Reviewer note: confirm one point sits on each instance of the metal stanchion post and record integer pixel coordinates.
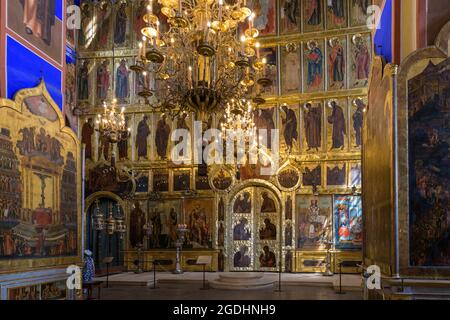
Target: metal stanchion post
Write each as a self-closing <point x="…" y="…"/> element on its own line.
<point x="340" y="279"/>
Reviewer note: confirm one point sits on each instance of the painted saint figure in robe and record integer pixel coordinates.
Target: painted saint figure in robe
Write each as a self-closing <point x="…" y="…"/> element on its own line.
<point x="39" y="18"/>
<point x="162" y="137"/>
<point x="137" y="221"/>
<point x="86" y="138"/>
<point x="83" y="81"/>
<point x="314" y="58"/>
<point x="268" y="231"/>
<point x="268" y="205"/>
<point x="361" y="63"/>
<point x="291" y="67"/>
<point x="288" y="235"/>
<point x="337" y="119"/>
<point x="288" y="208"/>
<point x="337" y="13"/>
<point x="359" y="11"/>
<point x="267" y="259"/>
<point x="264" y="121"/>
<point x="290" y="20"/>
<point x="103" y="18"/>
<point x="358" y="118"/>
<point x="290" y="131"/>
<point x="103" y="80"/>
<point x="122" y="76"/>
<point x="313" y="12"/>
<point x="143" y="131"/>
<point x="241" y="230"/>
<point x="336" y="65"/>
<point x="265" y="11"/>
<point x="182" y="125"/>
<point x="243" y="204"/>
<point x="313" y="126"/>
<point x="122" y="145"/>
<point x="121" y="24"/>
<point x="241" y="259"/>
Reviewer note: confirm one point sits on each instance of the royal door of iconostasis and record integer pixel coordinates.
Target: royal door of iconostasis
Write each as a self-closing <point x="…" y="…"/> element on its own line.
<point x="254" y="230"/>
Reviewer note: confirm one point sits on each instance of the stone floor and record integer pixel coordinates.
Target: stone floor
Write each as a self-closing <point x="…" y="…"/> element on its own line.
<point x="130" y="286"/>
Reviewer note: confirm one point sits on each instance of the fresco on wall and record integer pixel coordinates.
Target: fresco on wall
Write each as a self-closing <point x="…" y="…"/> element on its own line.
<point x="198" y="215"/>
<point x="164" y="216"/>
<point x="429" y="184"/>
<point x="40" y="24"/>
<point x="313" y="222"/>
<point x="38" y="179"/>
<point x="290" y="69"/>
<point x="290" y="17"/>
<point x="348" y="224"/>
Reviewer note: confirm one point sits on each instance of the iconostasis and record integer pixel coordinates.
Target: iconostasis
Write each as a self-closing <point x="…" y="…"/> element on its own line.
<point x="319" y="53"/>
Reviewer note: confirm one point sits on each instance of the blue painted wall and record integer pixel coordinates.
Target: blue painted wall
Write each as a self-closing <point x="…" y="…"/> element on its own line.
<point x="24" y="70"/>
<point x="383" y="36"/>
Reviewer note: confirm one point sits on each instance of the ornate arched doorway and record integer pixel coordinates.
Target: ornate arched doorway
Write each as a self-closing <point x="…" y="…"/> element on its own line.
<point x="255" y="229"/>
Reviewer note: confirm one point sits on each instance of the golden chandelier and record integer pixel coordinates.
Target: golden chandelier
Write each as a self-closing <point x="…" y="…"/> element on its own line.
<point x="198" y="55"/>
<point x="111" y="124"/>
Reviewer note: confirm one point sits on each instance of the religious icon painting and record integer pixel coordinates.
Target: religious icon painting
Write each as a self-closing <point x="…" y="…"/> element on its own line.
<point x="265" y="17"/>
<point x="70" y="101"/>
<point x="360" y="60"/>
<point x="355" y="179"/>
<point x="268" y="202"/>
<point x="288" y="178"/>
<point x="39" y="23"/>
<point x="336" y="125"/>
<point x="122" y="81"/>
<point x="336" y="14"/>
<point x="313" y="19"/>
<point x="104" y="18"/>
<point x="181" y="153"/>
<point x="243" y="202"/>
<point x="164" y="217"/>
<point x="142" y="181"/>
<point x="70" y="32"/>
<point x="265" y="121"/>
<point x="270" y="71"/>
<point x="348" y="222"/>
<point x="357" y="110"/>
<point x="336" y="174"/>
<point x="313" y="66"/>
<point x="337" y="63"/>
<point x="359" y="12"/>
<point x="288" y="233"/>
<point x="313" y="225"/>
<point x="312" y="176"/>
<point x="290" y="69"/>
<point x="201" y="181"/>
<point x="142" y="137"/>
<point x="87" y="135"/>
<point x="289" y="124"/>
<point x="86" y="35"/>
<point x="84" y="80"/>
<point x="312" y="126"/>
<point x="288" y="208"/>
<point x="242" y="228"/>
<point x="122" y="18"/>
<point x="222" y="180"/>
<point x="198" y="215"/>
<point x="123" y="146"/>
<point x="242" y="256"/>
<point x="103" y="80"/>
<point x="181" y="180"/>
<point x="162" y="136"/>
<point x="267" y="257"/>
<point x="290" y="16"/>
<point x="161" y="181"/>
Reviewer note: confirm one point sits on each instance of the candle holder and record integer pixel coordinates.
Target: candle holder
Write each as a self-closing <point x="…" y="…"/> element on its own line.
<point x="181" y="232"/>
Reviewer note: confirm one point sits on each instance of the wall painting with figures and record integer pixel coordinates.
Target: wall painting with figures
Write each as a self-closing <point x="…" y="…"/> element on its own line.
<point x="39" y="174"/>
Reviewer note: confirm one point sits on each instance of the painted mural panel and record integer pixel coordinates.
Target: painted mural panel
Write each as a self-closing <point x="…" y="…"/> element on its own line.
<point x="290" y="16"/>
<point x="39" y="177"/>
<point x="164" y="217"/>
<point x="313" y="222"/>
<point x="198" y="215"/>
<point x="348" y="224"/>
<point x="40" y="23"/>
<point x="290" y="69"/>
<point x="429" y="184"/>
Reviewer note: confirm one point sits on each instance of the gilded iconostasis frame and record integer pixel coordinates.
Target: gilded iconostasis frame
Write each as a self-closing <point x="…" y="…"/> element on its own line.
<point x="44" y="147"/>
<point x="347" y="40"/>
